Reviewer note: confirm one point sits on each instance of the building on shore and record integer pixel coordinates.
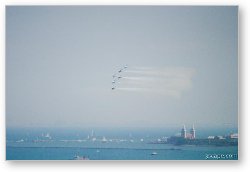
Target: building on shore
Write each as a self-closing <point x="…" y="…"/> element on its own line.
<point x="190" y="139"/>
<point x="183" y="132"/>
<point x="192" y="132"/>
<point x="186" y="135"/>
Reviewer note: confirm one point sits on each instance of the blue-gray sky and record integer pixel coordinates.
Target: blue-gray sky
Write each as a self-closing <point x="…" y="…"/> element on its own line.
<point x="60" y="62"/>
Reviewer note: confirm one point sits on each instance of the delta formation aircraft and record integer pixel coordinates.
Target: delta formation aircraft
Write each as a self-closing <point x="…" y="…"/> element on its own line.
<point x="118" y="77"/>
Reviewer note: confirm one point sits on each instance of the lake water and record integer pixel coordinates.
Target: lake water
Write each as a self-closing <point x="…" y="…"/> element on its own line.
<point x="99" y="144"/>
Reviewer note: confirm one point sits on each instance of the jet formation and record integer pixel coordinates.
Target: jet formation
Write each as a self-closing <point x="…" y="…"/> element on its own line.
<point x="117" y="76"/>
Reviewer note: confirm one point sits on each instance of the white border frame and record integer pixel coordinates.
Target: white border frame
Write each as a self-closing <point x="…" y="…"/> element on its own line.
<point x="243" y="63"/>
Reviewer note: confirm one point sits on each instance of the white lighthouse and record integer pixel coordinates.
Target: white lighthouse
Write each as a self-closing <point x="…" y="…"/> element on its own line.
<point x="192" y="132"/>
<point x="183" y="132"/>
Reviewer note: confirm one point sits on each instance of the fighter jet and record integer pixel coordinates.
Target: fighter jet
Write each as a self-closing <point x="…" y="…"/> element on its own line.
<point x="117" y="76"/>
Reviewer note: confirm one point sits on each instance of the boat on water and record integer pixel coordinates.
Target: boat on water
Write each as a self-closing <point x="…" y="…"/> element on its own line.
<point x="77" y="157"/>
<point x="47" y="135"/>
<point x="104" y="140"/>
<point x="154" y="153"/>
<point x="19" y="141"/>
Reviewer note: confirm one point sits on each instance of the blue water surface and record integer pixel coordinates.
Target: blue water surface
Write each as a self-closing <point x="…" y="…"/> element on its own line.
<point x="49" y="144"/>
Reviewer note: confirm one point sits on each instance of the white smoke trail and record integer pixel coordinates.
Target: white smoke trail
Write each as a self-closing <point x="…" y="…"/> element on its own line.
<point x="161" y="72"/>
<point x="173" y="93"/>
<point x="172" y="81"/>
<point x="133" y="89"/>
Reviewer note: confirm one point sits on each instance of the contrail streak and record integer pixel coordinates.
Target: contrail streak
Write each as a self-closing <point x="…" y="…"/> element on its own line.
<point x="133" y="89"/>
<point x="171" y="81"/>
<point x="162" y="72"/>
<point x="138" y="78"/>
<point x="173" y="93"/>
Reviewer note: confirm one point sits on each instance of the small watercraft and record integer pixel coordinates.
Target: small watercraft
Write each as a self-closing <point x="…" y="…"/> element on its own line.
<point x="154" y="153"/>
<point x="77" y="157"/>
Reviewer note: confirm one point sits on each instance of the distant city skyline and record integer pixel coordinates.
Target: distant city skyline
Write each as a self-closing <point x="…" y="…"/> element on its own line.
<point x="182" y="66"/>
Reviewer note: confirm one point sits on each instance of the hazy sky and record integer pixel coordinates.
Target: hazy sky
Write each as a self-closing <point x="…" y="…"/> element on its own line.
<point x="182" y="66"/>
